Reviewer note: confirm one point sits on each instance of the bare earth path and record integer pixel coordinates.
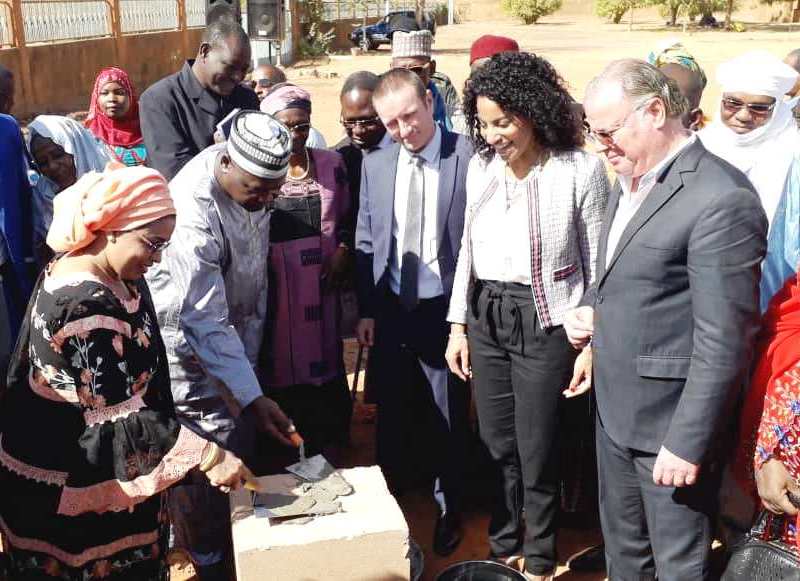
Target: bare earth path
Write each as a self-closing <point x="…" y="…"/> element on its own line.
<point x="577" y="44"/>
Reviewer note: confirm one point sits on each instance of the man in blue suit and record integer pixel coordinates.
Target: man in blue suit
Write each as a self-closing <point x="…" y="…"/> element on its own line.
<point x="413" y="199"/>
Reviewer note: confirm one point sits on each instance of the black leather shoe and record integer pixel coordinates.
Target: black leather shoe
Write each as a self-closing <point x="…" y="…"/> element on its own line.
<point x="447" y="534"/>
<point x="591" y="560"/>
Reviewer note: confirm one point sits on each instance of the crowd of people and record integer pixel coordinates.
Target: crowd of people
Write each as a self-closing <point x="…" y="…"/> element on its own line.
<point x="174" y="273"/>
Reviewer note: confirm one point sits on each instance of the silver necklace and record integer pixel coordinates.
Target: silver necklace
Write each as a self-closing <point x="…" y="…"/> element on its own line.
<point x="511" y="193"/>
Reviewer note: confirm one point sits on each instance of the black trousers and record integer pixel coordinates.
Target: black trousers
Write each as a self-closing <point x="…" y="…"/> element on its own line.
<point x="519" y="371"/>
<point x="653" y="530"/>
<point x="414" y="438"/>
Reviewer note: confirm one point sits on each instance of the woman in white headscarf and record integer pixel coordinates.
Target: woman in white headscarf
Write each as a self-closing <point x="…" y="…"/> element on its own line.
<point x="756" y="132"/>
<point x="63" y="151"/>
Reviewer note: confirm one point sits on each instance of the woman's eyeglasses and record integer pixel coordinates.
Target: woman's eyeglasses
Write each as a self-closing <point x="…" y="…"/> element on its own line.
<point x="757" y="109"/>
<point x="155" y="247"/>
<point x="361" y="123"/>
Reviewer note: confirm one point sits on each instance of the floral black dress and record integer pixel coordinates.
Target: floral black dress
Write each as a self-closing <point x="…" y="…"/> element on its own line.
<point x="88" y="438"/>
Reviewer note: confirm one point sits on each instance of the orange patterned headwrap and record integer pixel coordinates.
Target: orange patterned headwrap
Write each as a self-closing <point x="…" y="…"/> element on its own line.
<point x="116" y="200"/>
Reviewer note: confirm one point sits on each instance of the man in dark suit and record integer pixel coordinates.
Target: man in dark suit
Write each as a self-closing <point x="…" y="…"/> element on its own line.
<point x="671" y="318"/>
<point x="179" y="113"/>
<point x="364" y="129"/>
<point x="409" y="230"/>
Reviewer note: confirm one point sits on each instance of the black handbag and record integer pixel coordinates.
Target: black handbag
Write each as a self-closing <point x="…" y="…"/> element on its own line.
<point x="763" y="556"/>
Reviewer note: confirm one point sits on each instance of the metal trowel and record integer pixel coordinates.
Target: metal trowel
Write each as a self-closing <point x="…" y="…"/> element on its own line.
<point x="312" y="469"/>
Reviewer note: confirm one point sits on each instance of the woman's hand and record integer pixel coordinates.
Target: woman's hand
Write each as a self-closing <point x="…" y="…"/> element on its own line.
<point x="229" y="473"/>
<point x="581" y="375"/>
<point x="774" y="485"/>
<point x="579" y="325"/>
<point x="457" y="353"/>
<point x="337" y="273"/>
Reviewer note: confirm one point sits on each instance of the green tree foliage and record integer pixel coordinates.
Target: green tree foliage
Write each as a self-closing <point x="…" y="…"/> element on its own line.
<point x="316" y="42"/>
<point x="530" y="11"/>
<point x="673" y="9"/>
<point x="614" y="10"/>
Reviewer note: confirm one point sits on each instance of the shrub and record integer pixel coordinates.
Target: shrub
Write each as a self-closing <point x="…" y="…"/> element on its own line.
<point x="530" y="11"/>
<point x="316" y="43"/>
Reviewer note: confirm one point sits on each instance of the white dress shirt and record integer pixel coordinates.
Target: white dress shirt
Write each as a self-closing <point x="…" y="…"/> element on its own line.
<point x="501" y="238"/>
<point x="630" y="201"/>
<point x="429" y="279"/>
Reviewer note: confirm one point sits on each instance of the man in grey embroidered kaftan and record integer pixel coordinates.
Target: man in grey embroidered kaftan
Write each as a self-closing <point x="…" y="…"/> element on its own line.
<point x="210" y="293"/>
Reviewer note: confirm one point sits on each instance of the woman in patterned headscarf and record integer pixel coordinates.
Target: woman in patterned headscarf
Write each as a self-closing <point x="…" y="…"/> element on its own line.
<point x="309" y="258"/>
<point x="88" y="434"/>
<point x="114" y="117"/>
<point x="677" y="63"/>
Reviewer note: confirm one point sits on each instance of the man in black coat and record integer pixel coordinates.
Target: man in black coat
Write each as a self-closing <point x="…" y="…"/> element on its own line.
<point x="364" y="129"/>
<point x="672" y="317"/>
<point x="179" y="113"/>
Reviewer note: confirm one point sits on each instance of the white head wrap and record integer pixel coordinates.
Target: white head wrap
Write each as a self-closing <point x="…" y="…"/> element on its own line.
<point x="757" y="73"/>
<point x="766" y="153"/>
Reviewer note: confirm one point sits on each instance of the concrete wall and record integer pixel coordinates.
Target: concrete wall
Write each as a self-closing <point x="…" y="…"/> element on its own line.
<point x="58" y="78"/>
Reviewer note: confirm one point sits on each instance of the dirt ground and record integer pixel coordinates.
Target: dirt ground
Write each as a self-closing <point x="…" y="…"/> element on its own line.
<point x="420" y="510"/>
<point x="579" y="45"/>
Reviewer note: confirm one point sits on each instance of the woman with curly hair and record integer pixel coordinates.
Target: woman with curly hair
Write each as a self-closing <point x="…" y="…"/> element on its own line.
<point x="535" y="202"/>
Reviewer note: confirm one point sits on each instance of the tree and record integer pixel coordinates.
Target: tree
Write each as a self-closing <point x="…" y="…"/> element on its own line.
<point x="673" y="9"/>
<point x="614" y="10"/>
<point x="420" y="13"/>
<point x="530" y="11"/>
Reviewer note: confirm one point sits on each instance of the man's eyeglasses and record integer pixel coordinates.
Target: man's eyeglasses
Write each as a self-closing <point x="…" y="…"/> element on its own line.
<point x="605" y="138"/>
<point x="419" y="70"/>
<point x="361" y="123"/>
<point x="756" y="109"/>
<point x="155" y="247"/>
<point x="299" y="128"/>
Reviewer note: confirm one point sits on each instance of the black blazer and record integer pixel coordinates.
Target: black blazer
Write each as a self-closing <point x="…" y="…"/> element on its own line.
<point x="677" y="310"/>
<point x="179" y="117"/>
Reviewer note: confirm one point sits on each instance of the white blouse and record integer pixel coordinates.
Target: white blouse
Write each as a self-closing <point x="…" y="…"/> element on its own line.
<point x="501" y="241"/>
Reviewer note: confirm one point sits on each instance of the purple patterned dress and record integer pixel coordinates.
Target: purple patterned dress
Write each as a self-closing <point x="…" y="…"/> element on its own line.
<point x="303" y="363"/>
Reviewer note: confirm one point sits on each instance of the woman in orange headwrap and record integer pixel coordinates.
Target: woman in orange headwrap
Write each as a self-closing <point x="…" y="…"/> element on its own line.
<point x="88" y="434"/>
<point x="114" y="117"/>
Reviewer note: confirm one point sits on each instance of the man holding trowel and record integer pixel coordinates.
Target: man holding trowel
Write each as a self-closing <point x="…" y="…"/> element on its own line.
<point x="210" y="293"/>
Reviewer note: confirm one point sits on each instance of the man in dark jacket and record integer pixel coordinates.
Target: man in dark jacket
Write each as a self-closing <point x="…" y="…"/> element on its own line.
<point x="410" y="223"/>
<point x="179" y="113"/>
<point x="365" y="132"/>
<point x="672" y="317"/>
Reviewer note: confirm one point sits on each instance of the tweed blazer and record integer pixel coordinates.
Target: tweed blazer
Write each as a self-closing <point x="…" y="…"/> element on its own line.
<point x="567" y="198"/>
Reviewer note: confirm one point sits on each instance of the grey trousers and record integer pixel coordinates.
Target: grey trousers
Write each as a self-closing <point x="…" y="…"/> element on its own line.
<point x="652" y="530"/>
<point x="199" y="512"/>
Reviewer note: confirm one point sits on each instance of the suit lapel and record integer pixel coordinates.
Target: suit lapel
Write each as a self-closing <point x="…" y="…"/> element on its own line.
<point x="666" y="187"/>
<point x="387" y="213"/>
<point x="448" y="164"/>
<point x="611" y="210"/>
<point x="209" y="104"/>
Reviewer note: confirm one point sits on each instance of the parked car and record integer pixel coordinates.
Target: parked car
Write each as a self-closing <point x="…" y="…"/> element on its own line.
<point x="381" y="32"/>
